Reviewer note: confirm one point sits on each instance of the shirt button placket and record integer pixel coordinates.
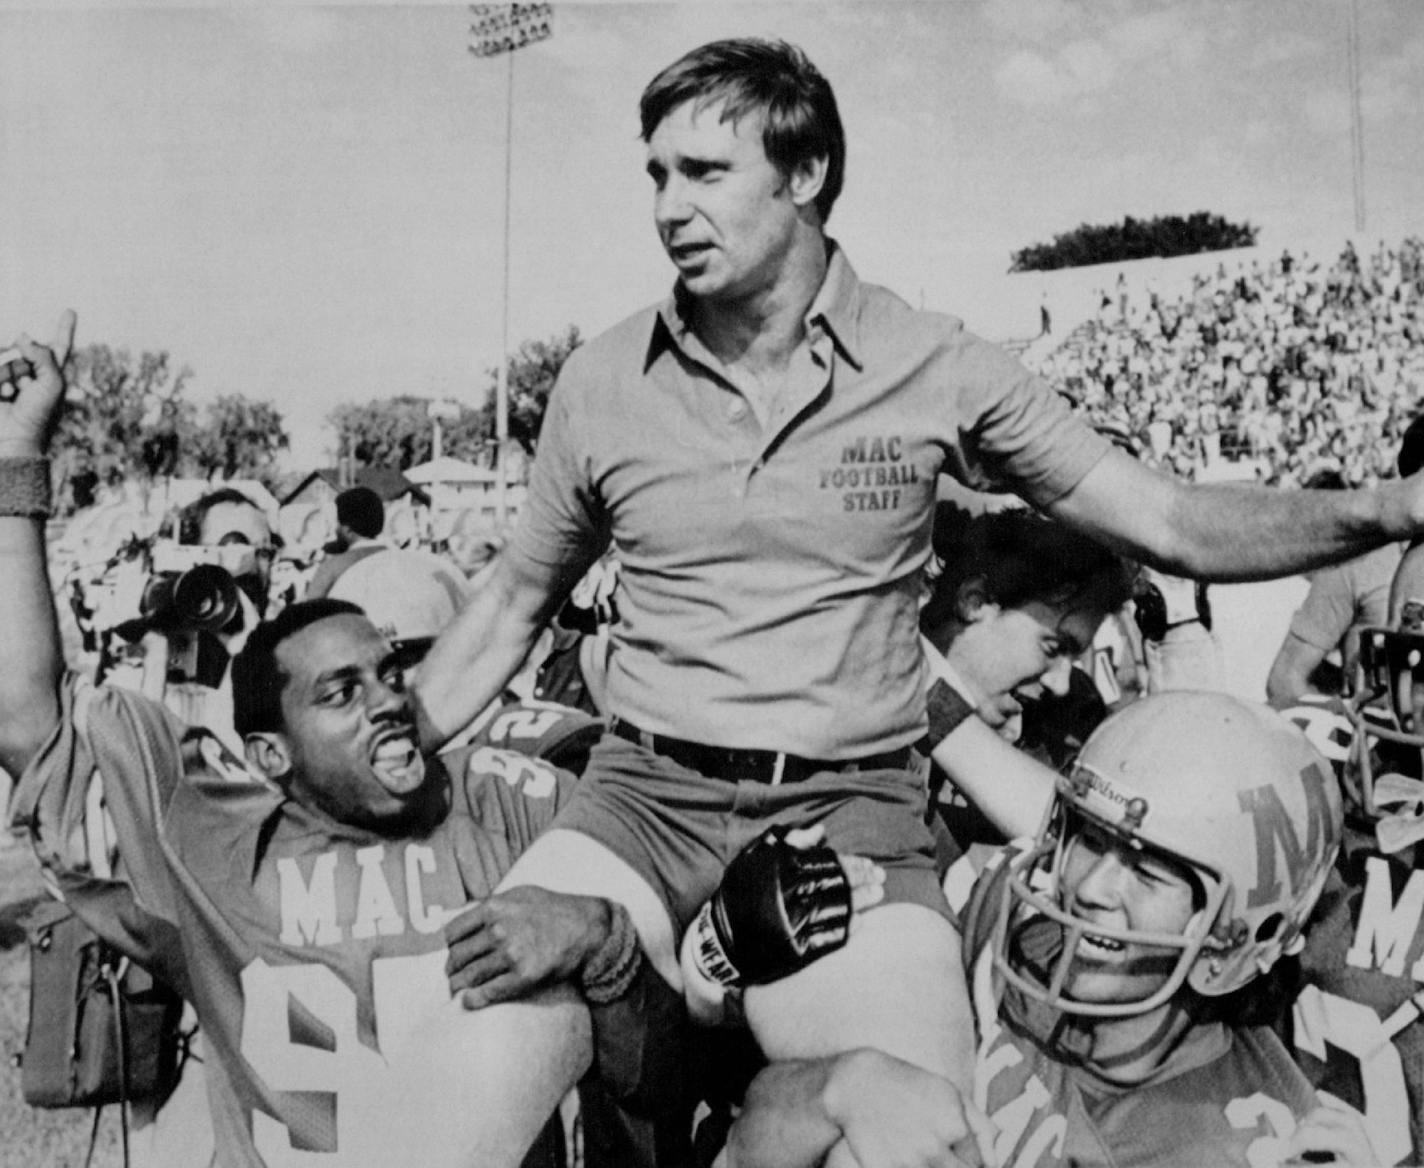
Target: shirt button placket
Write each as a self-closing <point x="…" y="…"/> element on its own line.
<point x="736" y="411"/>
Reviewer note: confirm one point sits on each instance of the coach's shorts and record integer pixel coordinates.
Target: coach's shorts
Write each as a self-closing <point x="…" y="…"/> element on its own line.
<point x="679" y="829"/>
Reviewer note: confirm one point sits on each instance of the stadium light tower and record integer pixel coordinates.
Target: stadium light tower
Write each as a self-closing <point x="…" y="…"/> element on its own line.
<point x="502" y="30"/>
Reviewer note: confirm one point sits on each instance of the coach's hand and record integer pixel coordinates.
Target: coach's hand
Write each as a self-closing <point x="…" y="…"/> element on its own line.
<point x="31" y="390"/>
<point x="514" y="942"/>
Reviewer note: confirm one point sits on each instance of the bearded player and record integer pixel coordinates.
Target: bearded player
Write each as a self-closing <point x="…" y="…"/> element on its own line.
<point x="1356" y="1023"/>
<point x="1107" y="962"/>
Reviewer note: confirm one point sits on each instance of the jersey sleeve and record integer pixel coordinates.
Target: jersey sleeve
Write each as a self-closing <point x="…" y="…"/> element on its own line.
<point x="92" y="801"/>
<point x="511" y="795"/>
<point x="559" y="735"/>
<point x="974" y="885"/>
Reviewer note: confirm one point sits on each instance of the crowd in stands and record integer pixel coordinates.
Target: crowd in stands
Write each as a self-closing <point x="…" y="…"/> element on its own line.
<point x="1296" y="365"/>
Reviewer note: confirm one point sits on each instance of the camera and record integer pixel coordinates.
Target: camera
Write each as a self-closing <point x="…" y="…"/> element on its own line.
<point x="192" y="589"/>
<point x="188" y="594"/>
<point x="168" y="588"/>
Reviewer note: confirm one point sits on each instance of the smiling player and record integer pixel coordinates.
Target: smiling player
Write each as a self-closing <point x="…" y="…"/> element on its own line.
<point x="1180" y="860"/>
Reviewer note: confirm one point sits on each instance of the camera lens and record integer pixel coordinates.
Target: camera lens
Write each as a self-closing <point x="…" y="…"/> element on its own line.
<point x="204" y="599"/>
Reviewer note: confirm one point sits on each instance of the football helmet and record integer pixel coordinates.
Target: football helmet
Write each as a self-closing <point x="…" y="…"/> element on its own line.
<point x="1389" y="694"/>
<point x="1226" y="789"/>
<point x="408" y="595"/>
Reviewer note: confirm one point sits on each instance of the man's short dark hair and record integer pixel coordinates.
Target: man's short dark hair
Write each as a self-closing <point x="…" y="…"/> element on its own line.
<point x="800" y="120"/>
<point x="361" y="509"/>
<point x="258" y="678"/>
<point x="190" y="519"/>
<point x="1023" y="556"/>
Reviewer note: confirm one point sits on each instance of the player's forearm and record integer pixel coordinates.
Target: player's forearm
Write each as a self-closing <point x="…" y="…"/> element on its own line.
<point x="1290" y="671"/>
<point x="1008" y="786"/>
<point x="786" y="1119"/>
<point x="474" y="658"/>
<point x="29" y="643"/>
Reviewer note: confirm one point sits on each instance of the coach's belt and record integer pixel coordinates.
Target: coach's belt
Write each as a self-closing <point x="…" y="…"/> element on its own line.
<point x="757" y="766"/>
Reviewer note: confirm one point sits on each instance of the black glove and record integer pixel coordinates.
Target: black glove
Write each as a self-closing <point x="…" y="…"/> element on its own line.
<point x="777" y="910"/>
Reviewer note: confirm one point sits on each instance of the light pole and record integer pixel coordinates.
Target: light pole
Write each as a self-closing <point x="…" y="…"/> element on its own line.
<point x="1357" y="128"/>
<point x="495" y="30"/>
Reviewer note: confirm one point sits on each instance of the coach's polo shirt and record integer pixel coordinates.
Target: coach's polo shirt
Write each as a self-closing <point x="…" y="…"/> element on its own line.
<point x="770" y="577"/>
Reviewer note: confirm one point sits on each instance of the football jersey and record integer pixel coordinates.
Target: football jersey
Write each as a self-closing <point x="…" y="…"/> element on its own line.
<point x="312" y="951"/>
<point x="1224" y="1096"/>
<point x="1356" y="1024"/>
<point x="558" y="734"/>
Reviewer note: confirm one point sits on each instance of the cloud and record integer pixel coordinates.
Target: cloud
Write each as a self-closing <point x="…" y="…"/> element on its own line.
<point x="1389" y="86"/>
<point x="1327" y="111"/>
<point x="1283" y="49"/>
<point x="1034" y="80"/>
<point x="1165" y="34"/>
<point x="1111" y="38"/>
<point x="1031" y="80"/>
<point x="1032" y="20"/>
<point x="303" y="30"/>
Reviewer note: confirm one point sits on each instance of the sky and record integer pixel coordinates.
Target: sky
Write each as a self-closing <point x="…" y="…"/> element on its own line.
<point x="306" y="204"/>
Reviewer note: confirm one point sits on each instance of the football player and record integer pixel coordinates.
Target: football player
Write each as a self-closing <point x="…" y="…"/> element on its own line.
<point x="1356" y="1023"/>
<point x="1180" y="860"/>
<point x="297" y="899"/>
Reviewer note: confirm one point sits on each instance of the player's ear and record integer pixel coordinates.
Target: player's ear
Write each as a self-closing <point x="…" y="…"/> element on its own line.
<point x="972" y="601"/>
<point x="269" y="754"/>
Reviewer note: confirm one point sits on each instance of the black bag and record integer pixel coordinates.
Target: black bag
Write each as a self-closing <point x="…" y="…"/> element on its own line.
<point x="101" y="1029"/>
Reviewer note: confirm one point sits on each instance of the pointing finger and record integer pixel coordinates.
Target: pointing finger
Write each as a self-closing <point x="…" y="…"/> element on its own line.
<point x="64" y="337"/>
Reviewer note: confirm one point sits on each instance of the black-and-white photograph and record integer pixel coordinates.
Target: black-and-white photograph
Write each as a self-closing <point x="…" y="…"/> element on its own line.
<point x="666" y="584"/>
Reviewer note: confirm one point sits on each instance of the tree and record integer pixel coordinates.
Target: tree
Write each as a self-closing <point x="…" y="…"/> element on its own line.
<point x="124" y="419"/>
<point x="397" y="431"/>
<point x="239" y="438"/>
<point x="1134" y="239"/>
<point x="533" y="369"/>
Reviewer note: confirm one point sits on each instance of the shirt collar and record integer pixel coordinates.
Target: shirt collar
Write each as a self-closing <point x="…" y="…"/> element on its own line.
<point x="835" y="309"/>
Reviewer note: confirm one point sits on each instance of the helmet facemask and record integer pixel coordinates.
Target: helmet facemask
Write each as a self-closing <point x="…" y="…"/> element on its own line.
<point x="1389" y="738"/>
<point x="1037" y="935"/>
<point x="1227" y="794"/>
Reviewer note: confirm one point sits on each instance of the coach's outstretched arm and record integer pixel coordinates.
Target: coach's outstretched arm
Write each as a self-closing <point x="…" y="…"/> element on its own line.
<point x="29" y="630"/>
<point x="1225" y="531"/>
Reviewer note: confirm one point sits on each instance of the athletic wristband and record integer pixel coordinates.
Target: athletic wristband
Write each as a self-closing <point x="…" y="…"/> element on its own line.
<point x="24" y="488"/>
<point x="947" y="709"/>
<point x="948" y="701"/>
<point x="610" y="971"/>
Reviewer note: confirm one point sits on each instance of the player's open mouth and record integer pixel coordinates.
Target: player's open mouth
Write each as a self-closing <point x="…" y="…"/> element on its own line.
<point x="1091" y="945"/>
<point x="397" y="760"/>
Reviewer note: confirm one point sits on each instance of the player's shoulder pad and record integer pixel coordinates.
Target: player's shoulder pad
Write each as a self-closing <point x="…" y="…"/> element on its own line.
<point x="485" y="768"/>
<point x="970" y="882"/>
<point x="1328" y="723"/>
<point x="555" y="733"/>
